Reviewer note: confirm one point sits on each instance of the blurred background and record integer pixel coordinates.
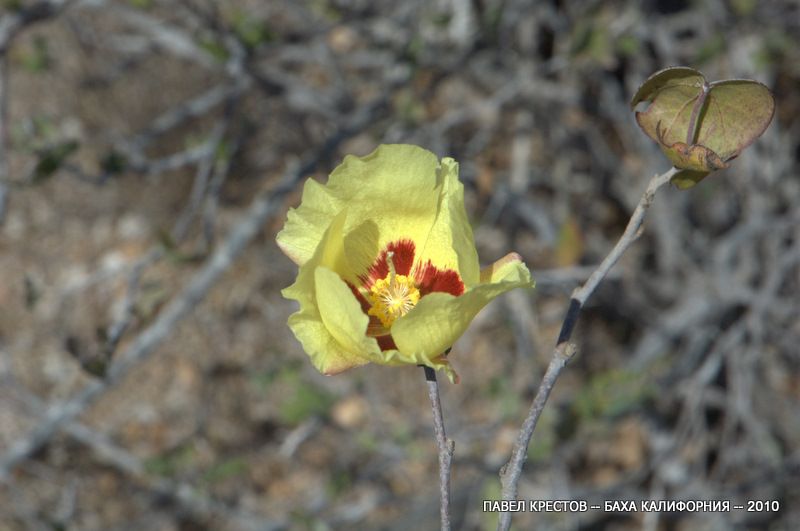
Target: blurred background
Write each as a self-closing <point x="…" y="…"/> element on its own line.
<point x="139" y="135"/>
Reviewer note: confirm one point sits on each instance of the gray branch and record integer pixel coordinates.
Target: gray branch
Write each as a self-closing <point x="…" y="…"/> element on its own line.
<point x="59" y="415"/>
<point x="564" y="350"/>
<point x="264" y="206"/>
<point x="445" y="446"/>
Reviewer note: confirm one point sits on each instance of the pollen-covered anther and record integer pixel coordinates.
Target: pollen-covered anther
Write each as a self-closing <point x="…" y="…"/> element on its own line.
<point x="393" y="296"/>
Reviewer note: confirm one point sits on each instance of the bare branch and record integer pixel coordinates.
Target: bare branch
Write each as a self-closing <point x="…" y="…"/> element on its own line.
<point x="12" y="23"/>
<point x="3" y="134"/>
<point x="446" y="447"/>
<point x="143" y="345"/>
<point x="180" y="114"/>
<point x="184" y="495"/>
<point x="511" y="472"/>
<point x="167" y="36"/>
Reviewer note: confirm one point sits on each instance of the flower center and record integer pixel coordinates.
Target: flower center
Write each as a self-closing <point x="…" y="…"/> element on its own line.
<point x="393" y="296"/>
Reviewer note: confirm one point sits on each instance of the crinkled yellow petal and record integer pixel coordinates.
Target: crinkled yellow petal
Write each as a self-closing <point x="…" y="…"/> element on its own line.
<point x="396" y="192"/>
<point x="329" y="253"/>
<point x="503" y="269"/>
<point x="342" y="315"/>
<point x="306" y="224"/>
<point x="440" y="318"/>
<point x="330" y="324"/>
<point x="394" y="358"/>
<point x="326" y="354"/>
<point x="450" y="237"/>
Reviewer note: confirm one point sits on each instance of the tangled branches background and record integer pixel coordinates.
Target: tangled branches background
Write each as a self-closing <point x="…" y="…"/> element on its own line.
<point x="148" y="152"/>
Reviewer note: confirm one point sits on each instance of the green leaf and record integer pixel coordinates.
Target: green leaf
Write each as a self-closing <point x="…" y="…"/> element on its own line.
<point x="701" y="126"/>
<point x="739" y="111"/>
<point x="677" y="84"/>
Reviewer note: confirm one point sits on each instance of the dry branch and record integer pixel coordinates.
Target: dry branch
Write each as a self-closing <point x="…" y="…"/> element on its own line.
<point x="267" y="204"/>
<point x="445" y="446"/>
<point x="564" y="350"/>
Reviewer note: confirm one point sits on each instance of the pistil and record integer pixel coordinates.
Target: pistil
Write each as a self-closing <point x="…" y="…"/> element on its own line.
<point x="393" y="296"/>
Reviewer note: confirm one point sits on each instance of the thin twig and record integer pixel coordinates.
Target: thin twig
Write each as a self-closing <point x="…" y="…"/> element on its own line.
<point x="3" y="133"/>
<point x="116" y="330"/>
<point x="10" y="25"/>
<point x="168" y="37"/>
<point x="200" y="185"/>
<point x="511" y="472"/>
<point x="446" y="447"/>
<point x="189" y="498"/>
<point x="220" y="173"/>
<point x="59" y="415"/>
<point x="265" y="205"/>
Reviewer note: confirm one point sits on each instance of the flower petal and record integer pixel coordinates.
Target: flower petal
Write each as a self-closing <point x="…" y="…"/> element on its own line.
<point x="329" y="253"/>
<point x="439" y="319"/>
<point x="398" y="192"/>
<point x="326" y="354"/>
<point x="504" y="269"/>
<point x="330" y="324"/>
<point x="399" y="199"/>
<point x="342" y="315"/>
<point x="306" y="224"/>
<point x="394" y="358"/>
<point x="450" y="243"/>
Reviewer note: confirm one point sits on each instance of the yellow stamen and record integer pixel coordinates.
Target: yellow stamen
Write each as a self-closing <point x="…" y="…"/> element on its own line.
<point x="393" y="296"/>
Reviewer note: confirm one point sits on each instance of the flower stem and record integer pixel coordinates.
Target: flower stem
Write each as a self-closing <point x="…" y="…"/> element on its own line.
<point x="446" y="447"/>
<point x="564" y="350"/>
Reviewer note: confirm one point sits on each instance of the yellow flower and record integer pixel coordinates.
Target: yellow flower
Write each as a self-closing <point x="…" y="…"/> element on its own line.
<point x="388" y="268"/>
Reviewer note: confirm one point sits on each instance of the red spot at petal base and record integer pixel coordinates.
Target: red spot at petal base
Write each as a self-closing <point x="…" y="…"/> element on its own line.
<point x="429" y="279"/>
<point x="403" y="259"/>
<point x="375" y="328"/>
<point x="386" y="342"/>
<point x="365" y="305"/>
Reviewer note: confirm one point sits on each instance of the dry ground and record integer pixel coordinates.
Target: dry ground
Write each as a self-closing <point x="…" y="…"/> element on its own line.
<point x="137" y="135"/>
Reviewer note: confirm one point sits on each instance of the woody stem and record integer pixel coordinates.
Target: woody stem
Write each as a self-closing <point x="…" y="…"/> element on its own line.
<point x="446" y="447"/>
<point x="564" y="350"/>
